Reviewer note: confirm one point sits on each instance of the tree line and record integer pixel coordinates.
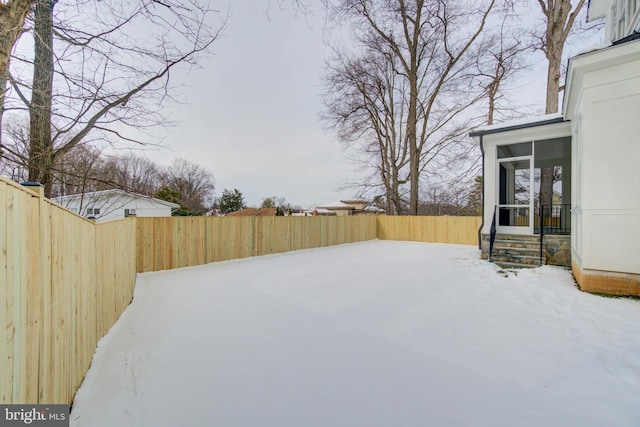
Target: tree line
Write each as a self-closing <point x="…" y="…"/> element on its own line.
<point x="85" y="169"/>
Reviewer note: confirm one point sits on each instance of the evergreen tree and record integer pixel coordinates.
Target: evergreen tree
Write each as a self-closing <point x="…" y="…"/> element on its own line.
<point x="231" y="201"/>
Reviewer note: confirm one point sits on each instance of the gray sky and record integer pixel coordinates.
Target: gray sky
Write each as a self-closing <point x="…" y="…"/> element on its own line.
<point x="251" y="109"/>
<point x="251" y="113"/>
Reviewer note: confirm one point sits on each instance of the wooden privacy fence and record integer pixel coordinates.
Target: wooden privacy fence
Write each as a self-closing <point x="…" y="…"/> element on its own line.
<point x="461" y="230"/>
<point x="65" y="280"/>
<point x="166" y="243"/>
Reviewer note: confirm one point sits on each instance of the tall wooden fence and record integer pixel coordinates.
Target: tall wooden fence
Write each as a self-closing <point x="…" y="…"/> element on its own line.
<point x="166" y="243"/>
<point x="462" y="230"/>
<point x="64" y="280"/>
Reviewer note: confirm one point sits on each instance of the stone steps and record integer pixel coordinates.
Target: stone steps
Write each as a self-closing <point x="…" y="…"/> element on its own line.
<point x="515" y="251"/>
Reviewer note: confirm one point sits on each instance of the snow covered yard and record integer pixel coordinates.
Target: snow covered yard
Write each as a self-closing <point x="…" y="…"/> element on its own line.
<point x="378" y="333"/>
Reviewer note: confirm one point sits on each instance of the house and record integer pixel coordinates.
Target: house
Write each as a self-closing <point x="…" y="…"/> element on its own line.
<point x="339" y="208"/>
<point x="115" y="204"/>
<point x="593" y="224"/>
<point x="350" y="207"/>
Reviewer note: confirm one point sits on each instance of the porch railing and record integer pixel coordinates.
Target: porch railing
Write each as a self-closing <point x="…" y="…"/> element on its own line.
<point x="492" y="233"/>
<point x="553" y="219"/>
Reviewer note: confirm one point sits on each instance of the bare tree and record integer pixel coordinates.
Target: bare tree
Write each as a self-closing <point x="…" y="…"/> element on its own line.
<point x="430" y="47"/>
<point x="560" y="17"/>
<point x="133" y="174"/>
<point x="79" y="171"/>
<point x="504" y="59"/>
<point x="365" y="105"/>
<point x="101" y="69"/>
<point x="12" y="17"/>
<point x="193" y="184"/>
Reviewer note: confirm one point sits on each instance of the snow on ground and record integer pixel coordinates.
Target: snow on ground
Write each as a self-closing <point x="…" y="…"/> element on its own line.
<point x="378" y="333"/>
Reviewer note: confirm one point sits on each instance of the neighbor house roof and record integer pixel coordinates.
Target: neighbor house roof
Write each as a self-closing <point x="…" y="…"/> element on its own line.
<point x="336" y="206"/>
<point x="254" y="212"/>
<point x="104" y="194"/>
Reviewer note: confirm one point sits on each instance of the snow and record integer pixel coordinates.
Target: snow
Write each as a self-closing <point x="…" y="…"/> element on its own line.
<point x="593" y="48"/>
<point x="526" y="121"/>
<point x="378" y="333"/>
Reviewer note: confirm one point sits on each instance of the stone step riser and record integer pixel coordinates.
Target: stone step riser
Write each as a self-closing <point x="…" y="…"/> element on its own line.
<point x="518" y="238"/>
<point x="524" y="245"/>
<point x="514" y="265"/>
<point x="516" y="259"/>
<point x="516" y="251"/>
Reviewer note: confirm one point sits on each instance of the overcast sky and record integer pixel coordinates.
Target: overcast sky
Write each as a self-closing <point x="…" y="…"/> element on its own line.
<point x="251" y="112"/>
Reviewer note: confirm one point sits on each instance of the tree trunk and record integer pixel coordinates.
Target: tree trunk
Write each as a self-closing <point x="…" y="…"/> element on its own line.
<point x="12" y="16"/>
<point x="555" y="39"/>
<point x="553" y="95"/>
<point x="412" y="118"/>
<point x="414" y="156"/>
<point x="3" y="90"/>
<point x="554" y="56"/>
<point x="41" y="156"/>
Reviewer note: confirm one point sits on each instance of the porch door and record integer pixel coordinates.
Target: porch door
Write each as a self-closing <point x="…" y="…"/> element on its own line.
<point x="515" y="195"/>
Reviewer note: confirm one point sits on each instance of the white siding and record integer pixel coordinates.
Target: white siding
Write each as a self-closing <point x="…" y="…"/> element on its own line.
<point x="607" y="155"/>
<point x="112" y="205"/>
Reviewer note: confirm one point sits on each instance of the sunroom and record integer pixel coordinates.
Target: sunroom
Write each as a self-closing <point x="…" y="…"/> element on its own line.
<point x="527" y="188"/>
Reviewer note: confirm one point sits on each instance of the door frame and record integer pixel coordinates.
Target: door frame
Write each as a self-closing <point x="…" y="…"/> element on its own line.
<point x="520" y="229"/>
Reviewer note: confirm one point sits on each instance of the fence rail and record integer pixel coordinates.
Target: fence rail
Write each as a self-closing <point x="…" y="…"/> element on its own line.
<point x="64" y="280"/>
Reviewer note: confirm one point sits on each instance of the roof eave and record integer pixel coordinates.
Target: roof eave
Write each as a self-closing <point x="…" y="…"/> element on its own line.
<point x="520" y="126"/>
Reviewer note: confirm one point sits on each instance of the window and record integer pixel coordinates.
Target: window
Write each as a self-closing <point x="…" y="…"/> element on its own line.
<point x="93" y="211"/>
<point x="129" y="212"/>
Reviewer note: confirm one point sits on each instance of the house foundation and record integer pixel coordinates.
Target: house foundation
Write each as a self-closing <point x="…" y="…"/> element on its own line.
<point x="607" y="282"/>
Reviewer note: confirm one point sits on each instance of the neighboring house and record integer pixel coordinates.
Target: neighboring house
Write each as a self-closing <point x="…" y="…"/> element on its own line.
<point x="115" y="204"/>
<point x="339" y="208"/>
<point x="595" y="140"/>
<point x="350" y="207"/>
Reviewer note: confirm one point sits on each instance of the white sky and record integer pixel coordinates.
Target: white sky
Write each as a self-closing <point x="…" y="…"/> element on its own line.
<point x="251" y="112"/>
